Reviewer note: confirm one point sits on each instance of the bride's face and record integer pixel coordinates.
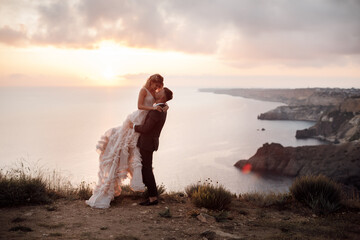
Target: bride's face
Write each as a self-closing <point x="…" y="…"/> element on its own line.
<point x="156" y="86"/>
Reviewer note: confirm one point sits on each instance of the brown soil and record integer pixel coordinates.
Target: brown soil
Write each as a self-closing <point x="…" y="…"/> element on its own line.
<point x="126" y="220"/>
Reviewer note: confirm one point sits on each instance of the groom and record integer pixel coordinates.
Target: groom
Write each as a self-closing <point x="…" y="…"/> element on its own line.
<point x="149" y="142"/>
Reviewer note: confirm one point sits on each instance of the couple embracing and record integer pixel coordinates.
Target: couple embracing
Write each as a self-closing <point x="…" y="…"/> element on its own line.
<point x="127" y="150"/>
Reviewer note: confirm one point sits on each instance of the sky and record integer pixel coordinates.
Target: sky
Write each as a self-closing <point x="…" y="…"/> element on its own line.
<point x="202" y="43"/>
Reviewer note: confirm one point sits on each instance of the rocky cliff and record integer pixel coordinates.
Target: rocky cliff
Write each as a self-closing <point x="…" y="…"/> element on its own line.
<point x="298" y="113"/>
<point x="307" y="104"/>
<point x="341" y="125"/>
<point x="335" y="111"/>
<point x="341" y="162"/>
<point x="311" y="105"/>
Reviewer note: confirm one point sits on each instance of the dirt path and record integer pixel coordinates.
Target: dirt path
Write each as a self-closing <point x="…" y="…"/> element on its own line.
<point x="126" y="220"/>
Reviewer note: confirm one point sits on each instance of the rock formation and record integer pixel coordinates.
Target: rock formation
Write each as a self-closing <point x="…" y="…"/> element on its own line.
<point x="340" y="162"/>
<point x="336" y="111"/>
<point x="311" y="105"/>
<point x="298" y="113"/>
<point x="307" y="104"/>
<point x="341" y="125"/>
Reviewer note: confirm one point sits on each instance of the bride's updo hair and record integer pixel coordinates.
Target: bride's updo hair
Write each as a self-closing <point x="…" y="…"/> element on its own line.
<point x="156" y="78"/>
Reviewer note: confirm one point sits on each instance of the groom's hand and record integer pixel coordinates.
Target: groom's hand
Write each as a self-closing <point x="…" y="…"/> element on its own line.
<point x="164" y="109"/>
<point x="131" y="125"/>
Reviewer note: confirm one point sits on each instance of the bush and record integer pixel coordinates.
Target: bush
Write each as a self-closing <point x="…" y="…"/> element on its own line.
<point x="209" y="196"/>
<point x="189" y="190"/>
<point x="23" y="185"/>
<point x="23" y="190"/>
<point x="318" y="192"/>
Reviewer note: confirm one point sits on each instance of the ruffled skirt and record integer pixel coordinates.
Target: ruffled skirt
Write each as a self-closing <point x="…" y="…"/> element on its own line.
<point x="119" y="159"/>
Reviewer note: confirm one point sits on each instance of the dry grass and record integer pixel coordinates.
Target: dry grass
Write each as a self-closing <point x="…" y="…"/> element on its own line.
<point x="210" y="196"/>
<point x="26" y="185"/>
<point x="266" y="199"/>
<point x="318" y="192"/>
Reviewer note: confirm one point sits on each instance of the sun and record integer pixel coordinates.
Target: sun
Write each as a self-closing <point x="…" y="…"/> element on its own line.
<point x="109" y="74"/>
<point x="109" y="77"/>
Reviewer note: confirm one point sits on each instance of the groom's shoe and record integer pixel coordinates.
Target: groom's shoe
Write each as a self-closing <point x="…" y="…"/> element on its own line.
<point x="148" y="203"/>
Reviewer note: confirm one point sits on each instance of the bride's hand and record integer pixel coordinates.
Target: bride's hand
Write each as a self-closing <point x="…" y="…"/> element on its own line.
<point x="158" y="108"/>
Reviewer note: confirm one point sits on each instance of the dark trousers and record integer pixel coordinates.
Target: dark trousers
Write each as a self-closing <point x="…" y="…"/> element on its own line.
<point x="147" y="172"/>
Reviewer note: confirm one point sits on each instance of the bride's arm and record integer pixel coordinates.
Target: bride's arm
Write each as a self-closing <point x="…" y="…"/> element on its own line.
<point x="141" y="99"/>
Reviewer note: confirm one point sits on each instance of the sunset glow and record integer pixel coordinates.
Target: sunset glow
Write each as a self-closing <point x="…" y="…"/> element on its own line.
<point x="242" y="44"/>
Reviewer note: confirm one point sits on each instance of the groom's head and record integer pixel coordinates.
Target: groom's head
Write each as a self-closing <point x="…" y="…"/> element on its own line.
<point x="164" y="95"/>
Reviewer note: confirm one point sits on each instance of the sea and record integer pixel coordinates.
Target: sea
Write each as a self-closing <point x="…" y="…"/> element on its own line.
<point x="205" y="134"/>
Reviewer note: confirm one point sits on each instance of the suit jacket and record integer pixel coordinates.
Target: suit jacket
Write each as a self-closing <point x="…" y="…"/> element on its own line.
<point x="150" y="130"/>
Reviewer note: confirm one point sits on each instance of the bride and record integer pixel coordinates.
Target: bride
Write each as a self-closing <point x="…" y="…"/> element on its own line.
<point x="119" y="156"/>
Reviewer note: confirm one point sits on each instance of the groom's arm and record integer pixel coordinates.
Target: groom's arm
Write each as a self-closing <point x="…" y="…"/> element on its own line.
<point x="149" y="123"/>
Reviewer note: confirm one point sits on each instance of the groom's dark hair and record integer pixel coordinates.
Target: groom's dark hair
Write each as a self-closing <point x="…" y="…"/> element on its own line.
<point x="168" y="94"/>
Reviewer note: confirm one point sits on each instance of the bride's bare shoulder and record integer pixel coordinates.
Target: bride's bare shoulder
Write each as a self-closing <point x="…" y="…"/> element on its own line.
<point x="142" y="95"/>
<point x="143" y="91"/>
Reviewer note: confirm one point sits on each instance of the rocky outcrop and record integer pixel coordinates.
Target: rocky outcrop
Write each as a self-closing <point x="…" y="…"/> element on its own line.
<point x="299" y="113"/>
<point x="340" y="162"/>
<point x="336" y="111"/>
<point x="351" y="105"/>
<point x="342" y="125"/>
<point x="317" y="104"/>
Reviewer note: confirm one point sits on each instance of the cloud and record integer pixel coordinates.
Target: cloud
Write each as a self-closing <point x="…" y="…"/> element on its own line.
<point x="13" y="37"/>
<point x="277" y="31"/>
<point x="61" y="25"/>
<point x="242" y="33"/>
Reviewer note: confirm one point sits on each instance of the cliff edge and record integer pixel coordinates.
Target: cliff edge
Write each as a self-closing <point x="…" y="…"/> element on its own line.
<point x="337" y="126"/>
<point x="335" y="111"/>
<point x="341" y="162"/>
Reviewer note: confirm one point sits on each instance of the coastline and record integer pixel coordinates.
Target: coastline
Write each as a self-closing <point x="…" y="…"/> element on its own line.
<point x="336" y="117"/>
<point x="334" y="111"/>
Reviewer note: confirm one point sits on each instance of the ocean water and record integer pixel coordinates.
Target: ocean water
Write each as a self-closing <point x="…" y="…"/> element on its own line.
<point x="204" y="136"/>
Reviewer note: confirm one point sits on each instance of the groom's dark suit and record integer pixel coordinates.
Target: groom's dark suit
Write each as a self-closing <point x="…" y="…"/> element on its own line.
<point x="148" y="143"/>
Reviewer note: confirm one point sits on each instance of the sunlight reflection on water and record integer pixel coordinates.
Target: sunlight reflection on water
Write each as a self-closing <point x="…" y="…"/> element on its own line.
<point x="204" y="136"/>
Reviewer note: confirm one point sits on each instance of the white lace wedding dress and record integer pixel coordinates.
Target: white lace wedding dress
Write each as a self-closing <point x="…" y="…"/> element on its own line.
<point x="119" y="159"/>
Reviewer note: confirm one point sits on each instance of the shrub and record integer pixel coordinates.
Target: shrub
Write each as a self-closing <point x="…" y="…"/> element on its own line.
<point x="318" y="192"/>
<point x="23" y="185"/>
<point x="22" y="190"/>
<point x="209" y="196"/>
<point x="266" y="199"/>
<point x="189" y="190"/>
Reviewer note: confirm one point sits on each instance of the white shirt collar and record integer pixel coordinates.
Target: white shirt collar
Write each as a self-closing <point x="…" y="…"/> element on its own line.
<point x="158" y="104"/>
